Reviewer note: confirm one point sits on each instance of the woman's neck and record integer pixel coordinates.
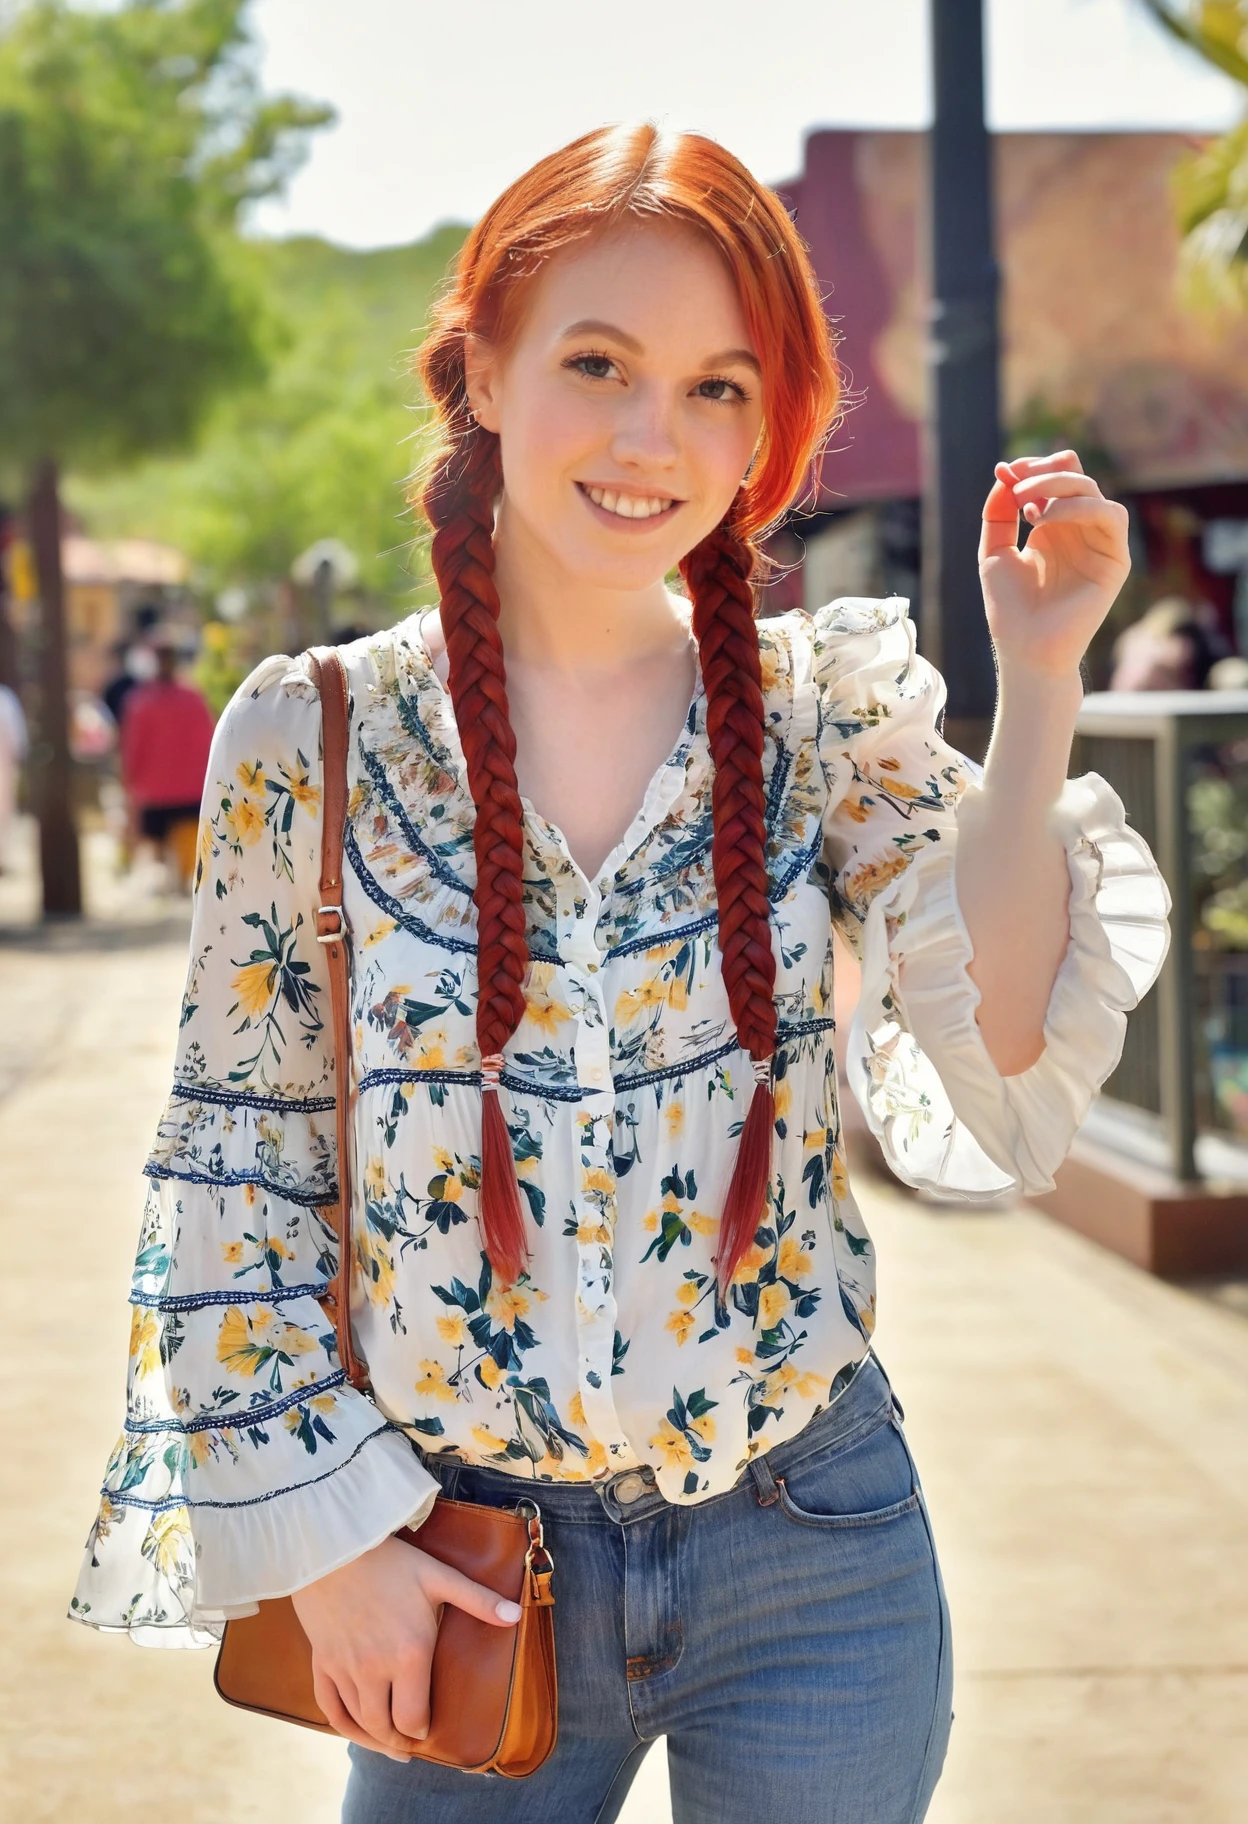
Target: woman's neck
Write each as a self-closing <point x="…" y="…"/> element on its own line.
<point x="555" y="622"/>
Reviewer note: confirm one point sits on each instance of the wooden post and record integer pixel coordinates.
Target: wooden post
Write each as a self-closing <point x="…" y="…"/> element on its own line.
<point x="51" y="766"/>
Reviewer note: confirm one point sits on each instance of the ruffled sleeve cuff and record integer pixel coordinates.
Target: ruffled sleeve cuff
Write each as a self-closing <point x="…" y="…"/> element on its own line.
<point x="948" y="1122"/>
<point x="171" y="1574"/>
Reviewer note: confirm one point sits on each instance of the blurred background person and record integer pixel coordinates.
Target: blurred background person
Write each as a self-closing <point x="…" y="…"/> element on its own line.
<point x="1168" y="648"/>
<point x="13" y="743"/>
<point x="166" y="732"/>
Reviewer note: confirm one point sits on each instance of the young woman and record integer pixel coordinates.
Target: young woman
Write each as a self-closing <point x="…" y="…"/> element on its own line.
<point x="599" y="836"/>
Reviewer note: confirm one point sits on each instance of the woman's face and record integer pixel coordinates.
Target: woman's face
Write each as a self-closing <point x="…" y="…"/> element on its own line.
<point x="627" y="405"/>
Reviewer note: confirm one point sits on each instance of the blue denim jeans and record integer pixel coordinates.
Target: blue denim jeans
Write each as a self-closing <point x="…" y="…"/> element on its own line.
<point x="790" y="1639"/>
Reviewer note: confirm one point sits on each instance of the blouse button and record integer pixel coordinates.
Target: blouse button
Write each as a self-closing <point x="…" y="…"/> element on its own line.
<point x="595" y="1073"/>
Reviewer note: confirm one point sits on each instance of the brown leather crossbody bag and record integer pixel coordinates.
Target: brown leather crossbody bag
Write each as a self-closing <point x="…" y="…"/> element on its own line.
<point x="493" y="1695"/>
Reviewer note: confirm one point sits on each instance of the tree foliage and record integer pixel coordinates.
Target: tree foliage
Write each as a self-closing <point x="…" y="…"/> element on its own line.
<point x="319" y="449"/>
<point x="1212" y="186"/>
<point x="130" y="140"/>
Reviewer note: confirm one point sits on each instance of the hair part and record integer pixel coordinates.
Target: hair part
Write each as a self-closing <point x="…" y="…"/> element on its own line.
<point x="607" y="179"/>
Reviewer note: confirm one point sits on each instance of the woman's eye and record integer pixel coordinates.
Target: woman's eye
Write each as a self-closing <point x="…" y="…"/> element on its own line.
<point x="722" y="391"/>
<point x="594" y="367"/>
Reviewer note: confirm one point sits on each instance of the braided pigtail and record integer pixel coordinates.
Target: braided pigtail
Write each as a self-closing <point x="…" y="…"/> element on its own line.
<point x="459" y="504"/>
<point x="718" y="575"/>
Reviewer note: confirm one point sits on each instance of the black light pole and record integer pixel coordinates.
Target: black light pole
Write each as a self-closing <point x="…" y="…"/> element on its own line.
<point x="963" y="419"/>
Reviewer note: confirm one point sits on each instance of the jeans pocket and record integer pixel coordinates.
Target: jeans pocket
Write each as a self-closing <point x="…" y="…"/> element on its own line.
<point x="866" y="1482"/>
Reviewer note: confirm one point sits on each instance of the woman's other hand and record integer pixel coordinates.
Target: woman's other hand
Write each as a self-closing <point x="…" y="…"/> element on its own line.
<point x="1045" y="601"/>
<point x="372" y="1626"/>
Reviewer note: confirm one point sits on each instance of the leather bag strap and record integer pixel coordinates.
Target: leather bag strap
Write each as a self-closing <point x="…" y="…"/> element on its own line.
<point x="330" y="677"/>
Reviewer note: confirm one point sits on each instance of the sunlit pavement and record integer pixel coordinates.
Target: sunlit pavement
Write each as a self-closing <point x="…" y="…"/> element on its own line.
<point x="1082" y="1431"/>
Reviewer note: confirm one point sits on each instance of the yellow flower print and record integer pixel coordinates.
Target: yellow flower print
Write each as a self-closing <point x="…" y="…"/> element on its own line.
<point x="792" y="1263"/>
<point x="168" y="1539"/>
<point x="650" y="1223"/>
<point x="505" y="1304"/>
<point x="704" y="1427"/>
<point x="375" y="1178"/>
<point x="856" y="809"/>
<point x="250" y="775"/>
<point x="576" y="1411"/>
<point x="199" y="1445"/>
<point x="144" y="1341"/>
<point x="771" y="1305"/>
<point x="489" y="1372"/>
<point x="840" y="1175"/>
<point x="246" y="819"/>
<point x="596" y="1462"/>
<point x="432" y="1384"/>
<point x="452" y="1189"/>
<point x="254" y="985"/>
<point x="380" y="932"/>
<point x="249" y="1196"/>
<point x="232" y="1252"/>
<point x="865" y="882"/>
<point x="688" y="1292"/>
<point x="236" y="1347"/>
<point x="485" y="1440"/>
<point x="308" y="797"/>
<point x="442" y="1159"/>
<point x="680" y="1323"/>
<point x="678" y="994"/>
<point x="675" y="1119"/>
<point x="783" y="1097"/>
<point x="295" y="1341"/>
<point x="453" y="1330"/>
<point x="702" y="1225"/>
<point x="674" y="1446"/>
<point x="750" y="1265"/>
<point x="376" y="1264"/>
<point x="597" y="1178"/>
<point x="745" y="1357"/>
<point x="432" y="1054"/>
<point x="650" y="993"/>
<point x="769" y="662"/>
<point x="589" y="1232"/>
<point x="547" y="1012"/>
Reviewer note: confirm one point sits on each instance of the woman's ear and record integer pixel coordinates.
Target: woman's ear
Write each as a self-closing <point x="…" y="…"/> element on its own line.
<point x="481" y="373"/>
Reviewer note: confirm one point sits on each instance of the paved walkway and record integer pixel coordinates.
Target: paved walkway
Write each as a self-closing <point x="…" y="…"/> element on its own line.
<point x="1083" y="1433"/>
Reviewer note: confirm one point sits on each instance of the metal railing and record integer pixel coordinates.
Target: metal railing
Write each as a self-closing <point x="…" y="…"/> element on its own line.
<point x="1171" y="756"/>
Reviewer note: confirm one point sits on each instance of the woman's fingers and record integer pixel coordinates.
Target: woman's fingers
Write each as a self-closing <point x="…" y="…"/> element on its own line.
<point x="1000" y="528"/>
<point x="442" y="1584"/>
<point x="1081" y="510"/>
<point x="1024" y="466"/>
<point x="342" y="1720"/>
<point x="1054" y="484"/>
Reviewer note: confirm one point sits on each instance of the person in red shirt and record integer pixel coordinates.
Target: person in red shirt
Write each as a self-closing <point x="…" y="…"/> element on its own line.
<point x="166" y="733"/>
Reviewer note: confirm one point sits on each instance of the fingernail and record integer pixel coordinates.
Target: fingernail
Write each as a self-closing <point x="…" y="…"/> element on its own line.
<point x="418" y="1735"/>
<point x="508" y="1611"/>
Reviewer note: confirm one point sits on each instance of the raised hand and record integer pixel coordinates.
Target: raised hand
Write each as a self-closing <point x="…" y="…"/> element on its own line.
<point x="1045" y="602"/>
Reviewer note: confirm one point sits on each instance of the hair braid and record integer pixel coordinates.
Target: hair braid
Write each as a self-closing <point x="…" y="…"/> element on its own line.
<point x="718" y="573"/>
<point x="459" y="502"/>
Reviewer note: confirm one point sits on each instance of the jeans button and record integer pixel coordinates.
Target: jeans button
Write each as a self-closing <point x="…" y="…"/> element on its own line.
<point x="630" y="1487"/>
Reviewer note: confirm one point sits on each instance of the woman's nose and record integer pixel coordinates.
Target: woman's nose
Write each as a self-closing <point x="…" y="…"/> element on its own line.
<point x="645" y="431"/>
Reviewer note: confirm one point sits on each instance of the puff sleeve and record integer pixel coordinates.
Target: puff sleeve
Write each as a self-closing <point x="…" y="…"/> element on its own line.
<point x="246" y="1467"/>
<point x="949" y="1123"/>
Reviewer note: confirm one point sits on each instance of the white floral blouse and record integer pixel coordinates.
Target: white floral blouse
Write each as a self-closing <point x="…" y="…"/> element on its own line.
<point x="247" y="1467"/>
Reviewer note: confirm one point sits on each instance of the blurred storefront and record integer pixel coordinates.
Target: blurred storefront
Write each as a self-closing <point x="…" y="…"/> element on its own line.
<point x="106" y="584"/>
<point x="1104" y="348"/>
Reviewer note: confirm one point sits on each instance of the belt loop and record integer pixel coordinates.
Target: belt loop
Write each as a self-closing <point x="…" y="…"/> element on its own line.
<point x="765" y="1487"/>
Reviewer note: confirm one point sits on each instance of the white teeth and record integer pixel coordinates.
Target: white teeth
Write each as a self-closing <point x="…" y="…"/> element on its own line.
<point x="627" y="506"/>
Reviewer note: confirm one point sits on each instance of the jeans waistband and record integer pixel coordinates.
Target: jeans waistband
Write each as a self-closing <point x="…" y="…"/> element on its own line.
<point x="865" y="1401"/>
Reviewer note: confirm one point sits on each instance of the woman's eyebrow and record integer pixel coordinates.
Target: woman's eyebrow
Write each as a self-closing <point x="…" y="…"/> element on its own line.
<point x="594" y="326"/>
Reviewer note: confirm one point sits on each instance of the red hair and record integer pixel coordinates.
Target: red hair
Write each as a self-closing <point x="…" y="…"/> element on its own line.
<point x="615" y="176"/>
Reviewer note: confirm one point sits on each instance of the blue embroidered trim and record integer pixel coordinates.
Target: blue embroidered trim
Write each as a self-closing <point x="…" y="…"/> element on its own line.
<point x="471" y="1079"/>
<point x="802" y="861"/>
<point x="391" y="906"/>
<point x="395" y="806"/>
<point x="193" y="1301"/>
<point x="168" y="1502"/>
<point x="312" y="1200"/>
<point x="254" y="1415"/>
<point x="245" y="1098"/>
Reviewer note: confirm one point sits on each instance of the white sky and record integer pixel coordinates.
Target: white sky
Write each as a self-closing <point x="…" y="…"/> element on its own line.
<point x="442" y="102"/>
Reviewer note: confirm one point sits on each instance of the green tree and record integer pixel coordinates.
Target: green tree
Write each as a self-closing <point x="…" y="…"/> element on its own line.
<point x="1212" y="187"/>
<point x="131" y="139"/>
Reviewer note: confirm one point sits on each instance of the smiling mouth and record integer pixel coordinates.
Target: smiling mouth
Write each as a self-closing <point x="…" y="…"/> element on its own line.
<point x="628" y="506"/>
